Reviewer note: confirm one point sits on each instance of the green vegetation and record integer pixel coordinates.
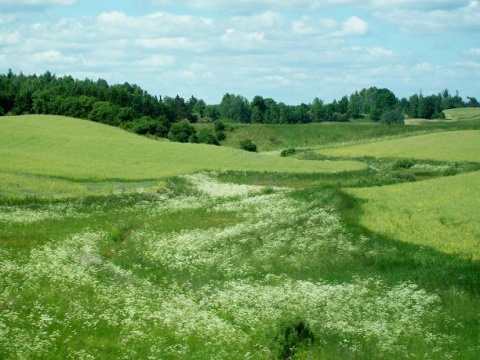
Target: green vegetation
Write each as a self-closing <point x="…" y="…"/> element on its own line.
<point x="18" y="186"/>
<point x="280" y="137"/>
<point x="130" y="107"/>
<point x="82" y="150"/>
<point x="260" y="257"/>
<point x="463" y="114"/>
<point x="248" y="145"/>
<point x="446" y="146"/>
<point x="440" y="214"/>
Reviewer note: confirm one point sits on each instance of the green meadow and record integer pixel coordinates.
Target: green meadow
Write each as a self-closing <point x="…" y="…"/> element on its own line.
<point x="442" y="146"/>
<point x="462" y="114"/>
<point x="80" y="149"/>
<point x="270" y="137"/>
<point x="441" y="214"/>
<point x="363" y="244"/>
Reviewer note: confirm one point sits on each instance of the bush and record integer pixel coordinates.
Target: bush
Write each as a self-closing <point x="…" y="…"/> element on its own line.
<point x="206" y="136"/>
<point x="221" y="135"/>
<point x="182" y="132"/>
<point x="147" y="125"/>
<point x="292" y="336"/>
<point x="248" y="145"/>
<point x="403" y="164"/>
<point x="288" y="152"/>
<point x="219" y="126"/>
<point x="393" y="117"/>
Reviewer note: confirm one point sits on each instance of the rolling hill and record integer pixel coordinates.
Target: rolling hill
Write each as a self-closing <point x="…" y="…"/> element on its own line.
<point x="83" y="150"/>
<point x="443" y="146"/>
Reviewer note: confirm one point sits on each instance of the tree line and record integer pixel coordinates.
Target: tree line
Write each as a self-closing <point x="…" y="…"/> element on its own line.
<point x="132" y="108"/>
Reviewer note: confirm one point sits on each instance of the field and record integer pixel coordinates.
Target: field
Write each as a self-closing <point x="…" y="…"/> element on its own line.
<point x="448" y="205"/>
<point x="117" y="246"/>
<point x="62" y="152"/>
<point x="464" y="114"/>
<point x="443" y="146"/>
<point x="314" y="135"/>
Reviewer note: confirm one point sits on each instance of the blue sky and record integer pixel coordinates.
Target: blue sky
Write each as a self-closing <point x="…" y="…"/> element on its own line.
<point x="291" y="51"/>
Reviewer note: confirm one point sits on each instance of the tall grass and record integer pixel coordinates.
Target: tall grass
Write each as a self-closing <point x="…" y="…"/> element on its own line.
<point x="208" y="270"/>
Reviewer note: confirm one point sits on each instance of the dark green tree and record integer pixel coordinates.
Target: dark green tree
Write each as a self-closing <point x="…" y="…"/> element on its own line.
<point x="182" y="132"/>
<point x="317" y="110"/>
<point x="105" y="112"/>
<point x="393" y="117"/>
<point x="236" y="108"/>
<point x="383" y="100"/>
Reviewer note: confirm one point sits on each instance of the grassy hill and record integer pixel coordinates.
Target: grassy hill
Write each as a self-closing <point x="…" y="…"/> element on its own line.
<point x="440" y="213"/>
<point x="463" y="114"/>
<point x="443" y="146"/>
<point x="277" y="137"/>
<point x="83" y="150"/>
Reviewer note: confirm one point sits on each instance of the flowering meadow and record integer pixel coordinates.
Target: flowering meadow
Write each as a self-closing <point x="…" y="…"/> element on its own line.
<point x="207" y="269"/>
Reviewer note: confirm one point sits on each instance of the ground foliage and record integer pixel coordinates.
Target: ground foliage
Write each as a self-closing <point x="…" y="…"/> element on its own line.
<point x="205" y="268"/>
<point x="235" y="264"/>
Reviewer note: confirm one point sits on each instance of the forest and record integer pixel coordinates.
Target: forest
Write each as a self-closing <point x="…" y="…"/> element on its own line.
<point x="130" y="107"/>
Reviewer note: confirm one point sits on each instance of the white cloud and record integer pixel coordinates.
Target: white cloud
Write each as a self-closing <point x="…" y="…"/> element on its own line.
<point x="459" y="17"/>
<point x="36" y="2"/>
<point x="291" y="51"/>
<point x="19" y="6"/>
<point x="378" y="51"/>
<point x="242" y="41"/>
<point x="158" y="60"/>
<point x="52" y="57"/>
<point x="353" y="26"/>
<point x="180" y="42"/>
<point x="260" y="5"/>
<point x="474" y="51"/>
<point x="307" y="26"/>
<point x="10" y="38"/>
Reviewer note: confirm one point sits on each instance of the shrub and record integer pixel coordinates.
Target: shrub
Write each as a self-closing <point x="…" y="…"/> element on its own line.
<point x="219" y="126"/>
<point x="221" y="135"/>
<point x="292" y="336"/>
<point x="147" y="125"/>
<point x="393" y="117"/>
<point x="248" y="145"/>
<point x="403" y="164"/>
<point x="288" y="152"/>
<point x="182" y="132"/>
<point x="206" y="136"/>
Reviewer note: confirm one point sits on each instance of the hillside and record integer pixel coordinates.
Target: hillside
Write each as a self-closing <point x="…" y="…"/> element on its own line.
<point x="80" y="149"/>
<point x="442" y="146"/>
<point x="270" y="137"/>
<point x="460" y="114"/>
<point x="440" y="213"/>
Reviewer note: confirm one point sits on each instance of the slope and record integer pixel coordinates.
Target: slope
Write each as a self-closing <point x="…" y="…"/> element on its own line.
<point x="78" y="149"/>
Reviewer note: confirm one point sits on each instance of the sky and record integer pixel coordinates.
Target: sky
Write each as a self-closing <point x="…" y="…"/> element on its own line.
<point x="290" y="50"/>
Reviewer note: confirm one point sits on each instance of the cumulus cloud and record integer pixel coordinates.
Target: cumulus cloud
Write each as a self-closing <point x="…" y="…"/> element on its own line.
<point x="474" y="51"/>
<point x="248" y="5"/>
<point x="292" y="50"/>
<point x="378" y="51"/>
<point x="353" y="26"/>
<point x="14" y="6"/>
<point x="36" y="2"/>
<point x="459" y="16"/>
